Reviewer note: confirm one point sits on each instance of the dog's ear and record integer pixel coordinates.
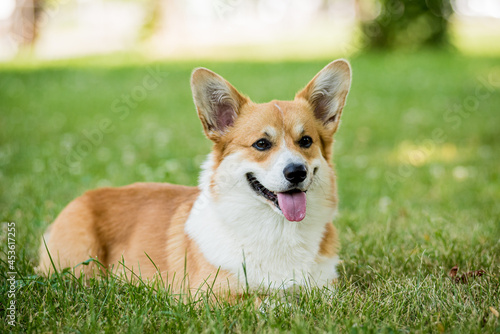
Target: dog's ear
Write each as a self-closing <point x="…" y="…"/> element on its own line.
<point x="327" y="92"/>
<point x="217" y="101"/>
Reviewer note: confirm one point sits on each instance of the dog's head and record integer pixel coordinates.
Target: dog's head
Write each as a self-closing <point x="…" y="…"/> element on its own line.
<point x="279" y="152"/>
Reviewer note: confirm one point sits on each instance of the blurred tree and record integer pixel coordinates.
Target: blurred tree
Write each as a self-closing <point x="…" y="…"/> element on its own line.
<point x="152" y="19"/>
<point x="24" y="27"/>
<point x="408" y="24"/>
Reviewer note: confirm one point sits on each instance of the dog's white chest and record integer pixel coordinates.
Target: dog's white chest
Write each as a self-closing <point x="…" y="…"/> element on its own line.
<point x="259" y="247"/>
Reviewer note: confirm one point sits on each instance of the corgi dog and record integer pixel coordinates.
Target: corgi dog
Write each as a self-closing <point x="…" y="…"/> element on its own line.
<point x="261" y="215"/>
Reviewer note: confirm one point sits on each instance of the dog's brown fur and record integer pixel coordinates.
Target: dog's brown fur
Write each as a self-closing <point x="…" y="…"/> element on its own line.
<point x="141" y="225"/>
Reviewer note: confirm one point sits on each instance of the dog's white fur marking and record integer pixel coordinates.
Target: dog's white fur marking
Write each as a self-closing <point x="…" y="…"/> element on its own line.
<point x="299" y="129"/>
<point x="236" y="229"/>
<point x="282" y="114"/>
<point x="270" y="131"/>
<point x="281" y="111"/>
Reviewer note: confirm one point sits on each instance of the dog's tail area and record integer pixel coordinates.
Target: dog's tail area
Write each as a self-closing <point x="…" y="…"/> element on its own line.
<point x="70" y="241"/>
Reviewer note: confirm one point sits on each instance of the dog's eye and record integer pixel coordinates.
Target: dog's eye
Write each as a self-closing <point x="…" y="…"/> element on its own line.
<point x="262" y="144"/>
<point x="305" y="142"/>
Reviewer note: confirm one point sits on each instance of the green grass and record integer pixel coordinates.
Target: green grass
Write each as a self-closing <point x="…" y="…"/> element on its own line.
<point x="418" y="182"/>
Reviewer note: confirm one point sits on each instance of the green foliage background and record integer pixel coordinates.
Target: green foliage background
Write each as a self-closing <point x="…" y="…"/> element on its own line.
<point x="409" y="24"/>
<point x="417" y="159"/>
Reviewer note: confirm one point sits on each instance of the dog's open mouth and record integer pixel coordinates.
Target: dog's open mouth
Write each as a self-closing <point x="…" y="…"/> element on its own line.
<point x="291" y="203"/>
<point x="263" y="191"/>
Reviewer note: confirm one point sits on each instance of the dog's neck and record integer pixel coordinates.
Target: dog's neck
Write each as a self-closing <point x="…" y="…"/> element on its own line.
<point x="233" y="228"/>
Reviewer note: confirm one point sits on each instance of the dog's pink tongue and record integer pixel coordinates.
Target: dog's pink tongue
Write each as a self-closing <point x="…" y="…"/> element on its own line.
<point x="293" y="205"/>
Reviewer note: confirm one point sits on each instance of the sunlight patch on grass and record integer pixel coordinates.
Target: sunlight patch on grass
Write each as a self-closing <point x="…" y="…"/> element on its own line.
<point x="423" y="154"/>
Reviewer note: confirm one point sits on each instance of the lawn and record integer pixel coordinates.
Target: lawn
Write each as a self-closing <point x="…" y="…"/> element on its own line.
<point x="418" y="164"/>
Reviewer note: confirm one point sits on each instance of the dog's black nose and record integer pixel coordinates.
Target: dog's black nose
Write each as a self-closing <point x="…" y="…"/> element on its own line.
<point x="295" y="173"/>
